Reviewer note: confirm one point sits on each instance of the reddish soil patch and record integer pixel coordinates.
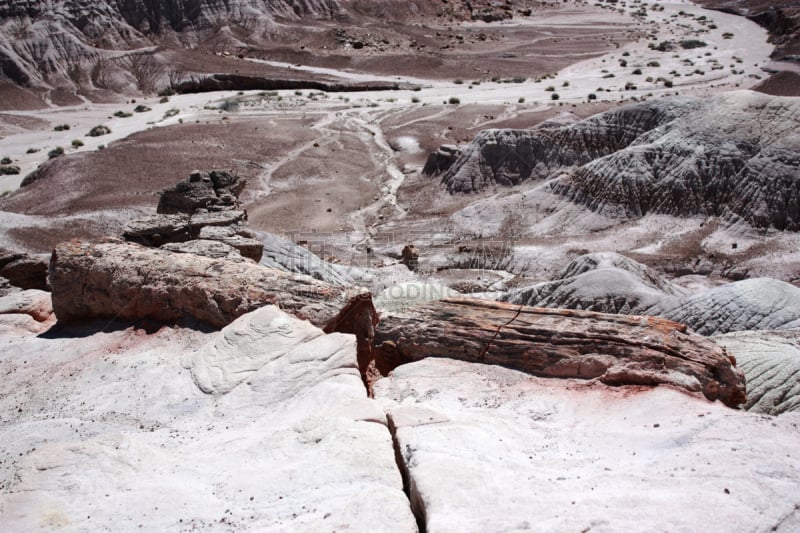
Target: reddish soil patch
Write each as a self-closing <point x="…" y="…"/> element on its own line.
<point x="784" y="83"/>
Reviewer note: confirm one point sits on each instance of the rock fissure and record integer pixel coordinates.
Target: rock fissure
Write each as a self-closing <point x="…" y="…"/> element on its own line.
<point x="416" y="502"/>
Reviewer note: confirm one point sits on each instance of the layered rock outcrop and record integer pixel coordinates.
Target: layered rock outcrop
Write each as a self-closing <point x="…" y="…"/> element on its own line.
<point x="771" y="363"/>
<point x="202" y="216"/>
<point x="612" y="283"/>
<point x="613" y="349"/>
<point x="603" y="282"/>
<point x="735" y="156"/>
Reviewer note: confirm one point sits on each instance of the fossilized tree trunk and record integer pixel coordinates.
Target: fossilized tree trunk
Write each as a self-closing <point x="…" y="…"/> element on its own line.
<point x="615" y="349"/>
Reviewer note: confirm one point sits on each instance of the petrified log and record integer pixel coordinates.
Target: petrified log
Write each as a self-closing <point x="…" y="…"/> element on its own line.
<point x="117" y="279"/>
<point x="615" y="349"/>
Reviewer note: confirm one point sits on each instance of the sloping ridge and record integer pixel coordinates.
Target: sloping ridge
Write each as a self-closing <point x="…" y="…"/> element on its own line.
<point x="735" y="156"/>
<point x="611" y="283"/>
<point x="63" y="42"/>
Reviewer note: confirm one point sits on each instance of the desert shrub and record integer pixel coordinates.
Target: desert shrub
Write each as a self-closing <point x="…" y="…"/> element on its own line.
<point x="609" y="75"/>
<point x="31" y="150"/>
<point x="550" y="88"/>
<point x="454" y="100"/>
<point x="565" y="84"/>
<point x="414" y="100"/>
<point x="164" y="100"/>
<point x="9" y="170"/>
<point x="5" y="161"/>
<point x="637" y="71"/>
<point x="521" y="100"/>
<point x="727" y="35"/>
<point x="592" y="96"/>
<point x="77" y="143"/>
<point x="171" y="112"/>
<point x="97" y="131"/>
<point x="123" y="114"/>
<point x="519" y="79"/>
<point x="61" y="127"/>
<point x="667" y="83"/>
<point x="626" y="54"/>
<point x="623" y="63"/>
<point x="458" y="82"/>
<point x="554" y="96"/>
<point x="630" y="86"/>
<point x="653" y="64"/>
<point x="101" y="147"/>
<point x="692" y="43"/>
<point x="141" y="109"/>
<point x="55" y="152"/>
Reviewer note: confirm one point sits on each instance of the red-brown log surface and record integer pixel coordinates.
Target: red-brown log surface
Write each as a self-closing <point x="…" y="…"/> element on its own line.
<point x="614" y="349"/>
<point x="131" y="282"/>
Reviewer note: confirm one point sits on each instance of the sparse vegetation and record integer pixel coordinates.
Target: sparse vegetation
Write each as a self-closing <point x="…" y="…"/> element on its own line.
<point x="97" y="131"/>
<point x="61" y="127"/>
<point x="592" y="96"/>
<point x="77" y="143"/>
<point x="554" y="96"/>
<point x="653" y="64"/>
<point x="164" y="100"/>
<point x="454" y="100"/>
<point x="521" y="100"/>
<point x="31" y="150"/>
<point x="5" y="161"/>
<point x="55" y="152"/>
<point x="692" y="43"/>
<point x="171" y="112"/>
<point x="637" y="71"/>
<point x="727" y="35"/>
<point x="9" y="170"/>
<point x="458" y="82"/>
<point x="414" y="100"/>
<point x="141" y="109"/>
<point x="123" y="114"/>
<point x="550" y="88"/>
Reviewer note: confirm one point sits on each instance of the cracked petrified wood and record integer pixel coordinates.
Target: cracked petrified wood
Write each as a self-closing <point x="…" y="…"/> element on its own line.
<point x="614" y="349"/>
<point x="129" y="281"/>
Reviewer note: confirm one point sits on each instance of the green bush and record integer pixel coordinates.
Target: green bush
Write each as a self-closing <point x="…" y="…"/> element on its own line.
<point x="97" y="131"/>
<point x="592" y="96"/>
<point x="550" y="88"/>
<point x="9" y="170"/>
<point x="554" y="96"/>
<point x="690" y="44"/>
<point x="5" y="161"/>
<point x="77" y="143"/>
<point x="123" y="114"/>
<point x="454" y="100"/>
<point x="55" y="152"/>
<point x="141" y="109"/>
<point x="61" y="127"/>
<point x="31" y="150"/>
